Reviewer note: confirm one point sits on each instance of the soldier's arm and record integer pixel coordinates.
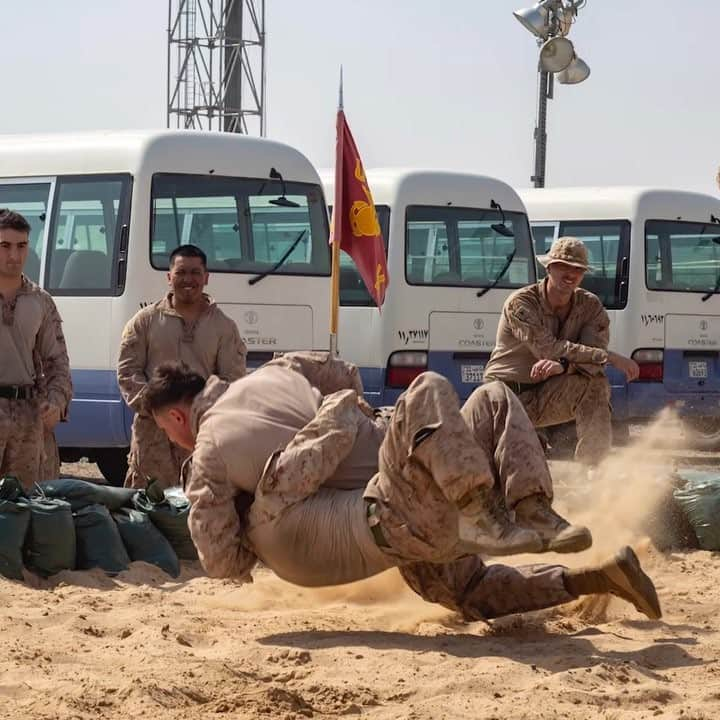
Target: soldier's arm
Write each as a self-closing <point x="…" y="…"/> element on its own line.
<point x="313" y="455"/>
<point x="232" y="354"/>
<point x="216" y="527"/>
<point x="596" y="333"/>
<point x="323" y="371"/>
<point x="53" y="356"/>
<point x="132" y="361"/>
<point x="525" y="322"/>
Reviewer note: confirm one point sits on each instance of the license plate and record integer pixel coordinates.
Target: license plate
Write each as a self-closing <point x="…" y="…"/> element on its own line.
<point x="697" y="368"/>
<point x="472" y="373"/>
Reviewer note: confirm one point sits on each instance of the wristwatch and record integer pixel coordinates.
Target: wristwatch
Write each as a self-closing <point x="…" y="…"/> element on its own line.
<point x="565" y="364"/>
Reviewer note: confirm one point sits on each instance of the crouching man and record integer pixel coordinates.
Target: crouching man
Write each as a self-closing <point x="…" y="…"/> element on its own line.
<point x="324" y="493"/>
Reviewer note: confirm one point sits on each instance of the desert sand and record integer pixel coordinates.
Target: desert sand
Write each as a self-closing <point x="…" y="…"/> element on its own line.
<point x="84" y="645"/>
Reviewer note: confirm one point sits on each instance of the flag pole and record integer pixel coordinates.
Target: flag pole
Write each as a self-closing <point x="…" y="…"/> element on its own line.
<point x="336" y="229"/>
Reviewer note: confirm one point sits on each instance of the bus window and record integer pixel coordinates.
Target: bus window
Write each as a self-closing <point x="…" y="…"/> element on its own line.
<point x="85" y="233"/>
<point x="238" y="224"/>
<point x="459" y="247"/>
<point x="682" y="256"/>
<point x="607" y="243"/>
<point x="543" y="236"/>
<point x="31" y="201"/>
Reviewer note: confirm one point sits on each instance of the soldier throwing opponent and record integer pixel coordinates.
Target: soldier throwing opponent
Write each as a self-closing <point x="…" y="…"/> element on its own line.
<point x="439" y="481"/>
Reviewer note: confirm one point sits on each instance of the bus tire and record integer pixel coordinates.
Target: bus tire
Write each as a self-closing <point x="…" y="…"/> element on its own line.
<point x="113" y="464"/>
<point x="703" y="433"/>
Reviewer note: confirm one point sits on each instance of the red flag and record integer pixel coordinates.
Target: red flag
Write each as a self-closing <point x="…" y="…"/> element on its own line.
<point x="355" y="222"/>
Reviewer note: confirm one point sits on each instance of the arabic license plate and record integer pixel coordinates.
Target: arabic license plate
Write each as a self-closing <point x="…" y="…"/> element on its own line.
<point x="697" y="368"/>
<point x="472" y="374"/>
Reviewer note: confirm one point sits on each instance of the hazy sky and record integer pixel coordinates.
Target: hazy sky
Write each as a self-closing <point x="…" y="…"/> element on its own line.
<point x="427" y="83"/>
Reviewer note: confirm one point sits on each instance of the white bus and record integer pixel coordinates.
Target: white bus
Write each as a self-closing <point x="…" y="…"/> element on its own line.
<point x="449" y="237"/>
<point x="655" y="257"/>
<point x="107" y="209"/>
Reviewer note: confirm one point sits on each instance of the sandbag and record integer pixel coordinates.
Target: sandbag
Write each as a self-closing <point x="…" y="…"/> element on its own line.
<point x="50" y="544"/>
<point x="14" y="521"/>
<point x="98" y="540"/>
<point x="143" y="541"/>
<point x="169" y="512"/>
<point x="700" y="499"/>
<point x="80" y="493"/>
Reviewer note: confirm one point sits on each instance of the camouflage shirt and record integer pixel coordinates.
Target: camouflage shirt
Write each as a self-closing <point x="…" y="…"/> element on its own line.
<point x="32" y="345"/>
<point x="529" y="330"/>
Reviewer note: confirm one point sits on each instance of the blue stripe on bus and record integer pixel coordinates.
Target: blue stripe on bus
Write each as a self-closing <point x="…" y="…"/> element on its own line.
<point x="98" y="416"/>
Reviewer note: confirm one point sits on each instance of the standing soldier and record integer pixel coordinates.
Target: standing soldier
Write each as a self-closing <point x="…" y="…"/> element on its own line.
<point x="35" y="384"/>
<point x="551" y="351"/>
<point x="185" y="325"/>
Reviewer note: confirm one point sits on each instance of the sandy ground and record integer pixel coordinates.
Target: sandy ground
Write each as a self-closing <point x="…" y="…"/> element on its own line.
<point x="83" y="645"/>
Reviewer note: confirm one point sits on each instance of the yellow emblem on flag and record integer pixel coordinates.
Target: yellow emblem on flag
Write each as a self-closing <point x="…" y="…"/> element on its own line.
<point x="363" y="218"/>
<point x="379" y="278"/>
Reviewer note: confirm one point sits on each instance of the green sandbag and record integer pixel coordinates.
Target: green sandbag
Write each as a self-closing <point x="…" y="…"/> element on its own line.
<point x="14" y="521"/>
<point x="169" y="512"/>
<point x="98" y="540"/>
<point x="700" y="499"/>
<point x="143" y="541"/>
<point x="80" y="493"/>
<point x="50" y="543"/>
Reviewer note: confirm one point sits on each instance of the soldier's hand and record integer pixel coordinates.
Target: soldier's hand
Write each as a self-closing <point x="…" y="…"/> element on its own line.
<point x="50" y="414"/>
<point x="628" y="367"/>
<point x="543" y="369"/>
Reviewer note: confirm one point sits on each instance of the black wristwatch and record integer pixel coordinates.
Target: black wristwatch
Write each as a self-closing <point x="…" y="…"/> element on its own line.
<point x="565" y="364"/>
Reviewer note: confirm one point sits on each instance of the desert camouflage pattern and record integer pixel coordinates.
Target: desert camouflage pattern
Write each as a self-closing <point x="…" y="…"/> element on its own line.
<point x="480" y="592"/>
<point x="529" y="331"/>
<point x="586" y="400"/>
<point x="322" y="370"/>
<point x="429" y="464"/>
<point x="50" y="460"/>
<point x="21" y="440"/>
<point x="210" y="345"/>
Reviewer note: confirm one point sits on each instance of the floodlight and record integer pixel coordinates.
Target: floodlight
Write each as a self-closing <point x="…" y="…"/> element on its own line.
<point x="556" y="54"/>
<point x="574" y="73"/>
<point x="535" y="19"/>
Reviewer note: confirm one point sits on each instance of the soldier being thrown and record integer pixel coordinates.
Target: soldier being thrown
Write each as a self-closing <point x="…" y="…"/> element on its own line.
<point x="185" y="325"/>
<point x="434" y="498"/>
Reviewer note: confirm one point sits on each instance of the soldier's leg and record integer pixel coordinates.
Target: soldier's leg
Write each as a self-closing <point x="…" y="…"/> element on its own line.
<point x="436" y="484"/>
<point x="574" y="397"/>
<point x="24" y="441"/>
<point x="152" y="456"/>
<point x="482" y="592"/>
<point x="501" y="426"/>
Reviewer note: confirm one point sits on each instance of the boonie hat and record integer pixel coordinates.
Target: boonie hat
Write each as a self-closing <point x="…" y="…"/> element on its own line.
<point x="568" y="250"/>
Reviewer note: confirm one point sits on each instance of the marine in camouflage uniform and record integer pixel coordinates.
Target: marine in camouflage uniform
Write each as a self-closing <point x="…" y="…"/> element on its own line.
<point x="208" y="344"/>
<point x="554" y="358"/>
<point x="30" y="334"/>
<point x="314" y="526"/>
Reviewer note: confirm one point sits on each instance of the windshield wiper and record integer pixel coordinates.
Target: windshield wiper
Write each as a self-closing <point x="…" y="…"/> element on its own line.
<point x="715" y="290"/>
<point x="288" y="253"/>
<point x="498" y="277"/>
<point x="501" y="228"/>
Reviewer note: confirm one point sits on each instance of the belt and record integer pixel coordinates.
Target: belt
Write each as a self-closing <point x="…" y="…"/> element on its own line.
<point x="518" y="387"/>
<point x="374" y="524"/>
<point x="17" y="392"/>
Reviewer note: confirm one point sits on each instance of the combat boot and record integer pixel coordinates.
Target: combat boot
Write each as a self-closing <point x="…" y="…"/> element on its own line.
<point x="622" y="577"/>
<point x="484" y="527"/>
<point x="536" y="513"/>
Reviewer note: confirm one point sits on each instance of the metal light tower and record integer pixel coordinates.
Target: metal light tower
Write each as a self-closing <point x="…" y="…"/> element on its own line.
<point x="550" y="22"/>
<point x="216" y="65"/>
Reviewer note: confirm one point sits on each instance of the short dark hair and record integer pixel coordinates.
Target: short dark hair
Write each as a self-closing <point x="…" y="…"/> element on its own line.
<point x="11" y="220"/>
<point x="188" y="251"/>
<point x="171" y="383"/>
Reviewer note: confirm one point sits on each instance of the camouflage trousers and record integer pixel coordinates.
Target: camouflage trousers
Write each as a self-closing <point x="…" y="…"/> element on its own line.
<point x="585" y="399"/>
<point x="491" y="441"/>
<point x="21" y="440"/>
<point x="153" y="456"/>
<point x="50" y="462"/>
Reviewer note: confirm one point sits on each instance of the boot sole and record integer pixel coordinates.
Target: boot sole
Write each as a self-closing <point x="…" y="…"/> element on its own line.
<point x="571" y="540"/>
<point x="629" y="576"/>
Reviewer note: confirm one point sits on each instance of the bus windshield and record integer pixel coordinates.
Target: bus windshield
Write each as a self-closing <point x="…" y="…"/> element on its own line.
<point x="682" y="256"/>
<point x="459" y="247"/>
<point x="241" y="224"/>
